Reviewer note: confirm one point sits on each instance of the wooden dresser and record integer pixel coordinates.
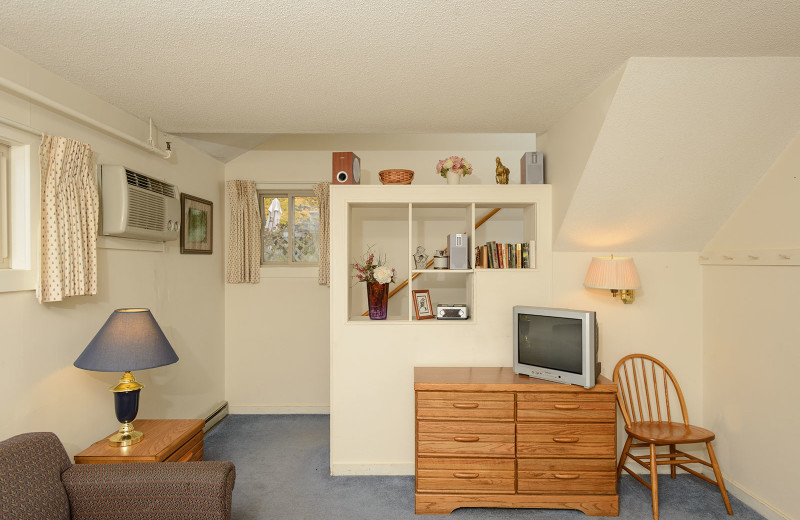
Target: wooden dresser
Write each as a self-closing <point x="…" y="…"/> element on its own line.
<point x="487" y="437"/>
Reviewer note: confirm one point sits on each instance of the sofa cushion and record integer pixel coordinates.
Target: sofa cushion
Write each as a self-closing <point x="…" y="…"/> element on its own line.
<point x="30" y="478"/>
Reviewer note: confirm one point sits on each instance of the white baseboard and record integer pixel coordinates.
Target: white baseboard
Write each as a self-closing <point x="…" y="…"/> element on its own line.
<point x="279" y="410"/>
<point x="753" y="501"/>
<point x="338" y="470"/>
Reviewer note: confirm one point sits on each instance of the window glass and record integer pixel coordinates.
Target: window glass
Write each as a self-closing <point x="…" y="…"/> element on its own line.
<point x="290" y="228"/>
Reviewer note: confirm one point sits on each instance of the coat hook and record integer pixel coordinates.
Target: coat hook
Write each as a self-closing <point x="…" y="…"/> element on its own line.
<point x="727" y="257"/>
<point x="703" y="257"/>
<point x="751" y="257"/>
<point x="785" y="257"/>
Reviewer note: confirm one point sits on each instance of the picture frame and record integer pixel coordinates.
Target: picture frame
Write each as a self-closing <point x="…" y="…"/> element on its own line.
<point x="197" y="225"/>
<point x="422" y="304"/>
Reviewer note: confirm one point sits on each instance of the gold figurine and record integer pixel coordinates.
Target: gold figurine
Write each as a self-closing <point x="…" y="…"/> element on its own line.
<point x="502" y="173"/>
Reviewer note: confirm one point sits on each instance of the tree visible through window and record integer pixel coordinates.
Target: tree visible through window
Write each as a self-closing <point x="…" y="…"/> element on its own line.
<point x="290" y="228"/>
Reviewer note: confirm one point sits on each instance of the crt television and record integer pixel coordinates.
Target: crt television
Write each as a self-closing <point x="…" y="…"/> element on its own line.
<point x="556" y="344"/>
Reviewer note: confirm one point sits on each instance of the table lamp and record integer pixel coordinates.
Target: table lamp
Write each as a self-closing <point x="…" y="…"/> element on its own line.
<point x="130" y="340"/>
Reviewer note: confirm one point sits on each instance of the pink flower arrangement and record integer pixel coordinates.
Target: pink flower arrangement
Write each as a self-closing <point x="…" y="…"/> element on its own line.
<point x="371" y="269"/>
<point x="453" y="164"/>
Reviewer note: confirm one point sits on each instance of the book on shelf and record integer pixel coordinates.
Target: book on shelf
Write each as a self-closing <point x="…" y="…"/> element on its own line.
<point x="495" y="255"/>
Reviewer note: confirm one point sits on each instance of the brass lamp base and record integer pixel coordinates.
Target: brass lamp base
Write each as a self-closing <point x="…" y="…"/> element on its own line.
<point x="126" y="436"/>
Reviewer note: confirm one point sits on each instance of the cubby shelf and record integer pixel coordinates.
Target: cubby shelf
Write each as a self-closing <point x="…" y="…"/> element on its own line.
<point x="371" y="216"/>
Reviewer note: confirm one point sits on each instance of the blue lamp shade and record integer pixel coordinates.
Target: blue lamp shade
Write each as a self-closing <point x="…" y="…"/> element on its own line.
<point x="130" y="340"/>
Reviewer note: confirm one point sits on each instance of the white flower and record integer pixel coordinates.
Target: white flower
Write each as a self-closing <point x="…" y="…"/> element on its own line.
<point x="448" y="164"/>
<point x="383" y="274"/>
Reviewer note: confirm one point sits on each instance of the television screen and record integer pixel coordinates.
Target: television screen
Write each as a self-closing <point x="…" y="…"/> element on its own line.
<point x="550" y="342"/>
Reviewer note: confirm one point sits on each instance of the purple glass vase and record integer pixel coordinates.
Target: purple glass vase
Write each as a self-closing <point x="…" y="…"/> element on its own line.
<point x="378" y="298"/>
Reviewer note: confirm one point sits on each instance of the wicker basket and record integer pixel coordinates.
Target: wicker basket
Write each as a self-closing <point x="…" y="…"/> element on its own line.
<point x="396" y="176"/>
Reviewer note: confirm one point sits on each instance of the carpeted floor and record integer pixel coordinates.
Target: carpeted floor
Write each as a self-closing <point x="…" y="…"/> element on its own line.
<point x="282" y="473"/>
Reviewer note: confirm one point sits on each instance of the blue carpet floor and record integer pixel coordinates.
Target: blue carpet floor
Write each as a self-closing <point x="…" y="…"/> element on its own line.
<point x="283" y="473"/>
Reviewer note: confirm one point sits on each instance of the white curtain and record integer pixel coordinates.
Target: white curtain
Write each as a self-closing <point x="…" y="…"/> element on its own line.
<point x="322" y="192"/>
<point x="68" y="264"/>
<point x="244" y="238"/>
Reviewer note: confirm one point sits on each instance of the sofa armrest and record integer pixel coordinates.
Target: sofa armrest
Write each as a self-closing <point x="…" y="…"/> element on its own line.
<point x="155" y="491"/>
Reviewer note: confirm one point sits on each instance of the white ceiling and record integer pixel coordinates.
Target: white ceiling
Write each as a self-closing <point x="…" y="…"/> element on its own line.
<point x="342" y="66"/>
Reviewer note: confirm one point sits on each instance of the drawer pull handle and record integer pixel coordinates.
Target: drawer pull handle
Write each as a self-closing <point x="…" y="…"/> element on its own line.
<point x="566" y="477"/>
<point x="465" y="405"/>
<point x="566" y="406"/>
<point x="465" y="475"/>
<point x="565" y="439"/>
<point x="466" y="439"/>
<point x="186" y="456"/>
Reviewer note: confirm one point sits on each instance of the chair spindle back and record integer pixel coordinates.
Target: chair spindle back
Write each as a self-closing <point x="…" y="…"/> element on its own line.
<point x="645" y="390"/>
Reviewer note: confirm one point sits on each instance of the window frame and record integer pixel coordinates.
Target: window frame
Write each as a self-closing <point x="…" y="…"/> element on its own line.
<point x="5" y="242"/>
<point x="24" y="208"/>
<point x="290" y="194"/>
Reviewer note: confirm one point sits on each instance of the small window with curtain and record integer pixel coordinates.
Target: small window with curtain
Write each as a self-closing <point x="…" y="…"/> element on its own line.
<point x="289" y="228"/>
<point x="5" y="242"/>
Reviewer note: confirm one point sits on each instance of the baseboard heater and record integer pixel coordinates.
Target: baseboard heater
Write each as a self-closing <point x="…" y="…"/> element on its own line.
<point x="216" y="415"/>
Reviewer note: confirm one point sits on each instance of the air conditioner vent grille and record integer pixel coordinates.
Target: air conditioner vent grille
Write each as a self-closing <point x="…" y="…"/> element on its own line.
<point x="150" y="184"/>
<point x="146" y="211"/>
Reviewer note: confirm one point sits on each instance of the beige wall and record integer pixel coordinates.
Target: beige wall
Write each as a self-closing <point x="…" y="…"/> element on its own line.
<point x="277" y="332"/>
<point x="41" y="389"/>
<point x="751" y="354"/>
<point x="568" y="144"/>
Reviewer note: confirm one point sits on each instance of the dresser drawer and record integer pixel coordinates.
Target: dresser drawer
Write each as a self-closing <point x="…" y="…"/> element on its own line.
<point x="465" y="438"/>
<point x="566" y="406"/>
<point x="490" y="406"/>
<point x="581" y="476"/>
<point x="460" y="475"/>
<point x="566" y="440"/>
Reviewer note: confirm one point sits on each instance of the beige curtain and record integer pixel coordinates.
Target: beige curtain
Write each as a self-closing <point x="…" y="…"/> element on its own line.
<point x="323" y="193"/>
<point x="244" y="238"/>
<point x="68" y="264"/>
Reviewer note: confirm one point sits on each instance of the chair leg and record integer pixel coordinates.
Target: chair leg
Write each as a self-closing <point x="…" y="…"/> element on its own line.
<point x="624" y="456"/>
<point x="718" y="475"/>
<point x="654" y="479"/>
<point x="672" y="466"/>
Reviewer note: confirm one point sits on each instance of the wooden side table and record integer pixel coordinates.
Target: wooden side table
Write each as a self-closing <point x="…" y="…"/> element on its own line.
<point x="165" y="440"/>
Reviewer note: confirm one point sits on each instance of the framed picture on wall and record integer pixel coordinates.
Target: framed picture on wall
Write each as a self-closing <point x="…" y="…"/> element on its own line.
<point x="197" y="218"/>
<point x="422" y="305"/>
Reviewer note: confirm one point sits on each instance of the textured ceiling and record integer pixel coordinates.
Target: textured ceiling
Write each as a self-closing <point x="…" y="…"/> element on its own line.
<point x="347" y="66"/>
<point x="683" y="143"/>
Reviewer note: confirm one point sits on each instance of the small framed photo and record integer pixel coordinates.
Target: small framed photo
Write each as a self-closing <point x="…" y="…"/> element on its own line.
<point x="422" y="305"/>
<point x="197" y="223"/>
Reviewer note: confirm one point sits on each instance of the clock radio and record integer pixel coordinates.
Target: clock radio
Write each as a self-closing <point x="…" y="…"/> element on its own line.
<point x="454" y="311"/>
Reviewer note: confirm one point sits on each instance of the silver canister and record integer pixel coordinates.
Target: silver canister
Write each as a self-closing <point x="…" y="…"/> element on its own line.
<point x="440" y="259"/>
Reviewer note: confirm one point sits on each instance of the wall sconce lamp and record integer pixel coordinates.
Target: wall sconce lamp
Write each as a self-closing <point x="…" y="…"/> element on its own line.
<point x="617" y="274"/>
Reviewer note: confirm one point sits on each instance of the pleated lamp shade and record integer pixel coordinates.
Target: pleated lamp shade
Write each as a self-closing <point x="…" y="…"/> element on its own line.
<point x="611" y="272"/>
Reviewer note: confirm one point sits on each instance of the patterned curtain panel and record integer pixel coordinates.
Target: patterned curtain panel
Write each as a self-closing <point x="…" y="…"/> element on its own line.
<point x="323" y="194"/>
<point x="244" y="238"/>
<point x="68" y="264"/>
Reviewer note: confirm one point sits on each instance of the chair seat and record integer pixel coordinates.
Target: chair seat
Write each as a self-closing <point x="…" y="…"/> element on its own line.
<point x="668" y="433"/>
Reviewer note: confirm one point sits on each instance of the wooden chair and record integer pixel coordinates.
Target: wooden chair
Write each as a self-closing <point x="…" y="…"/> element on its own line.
<point x="645" y="390"/>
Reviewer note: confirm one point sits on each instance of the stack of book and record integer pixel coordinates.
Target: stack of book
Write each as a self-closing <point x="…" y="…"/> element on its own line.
<point x="494" y="255"/>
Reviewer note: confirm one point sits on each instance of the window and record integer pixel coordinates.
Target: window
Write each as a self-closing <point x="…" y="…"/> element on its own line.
<point x="289" y="228"/>
<point x="5" y="242"/>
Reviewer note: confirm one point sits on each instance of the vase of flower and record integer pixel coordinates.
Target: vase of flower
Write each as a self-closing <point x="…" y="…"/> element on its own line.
<point x="378" y="299"/>
<point x="377" y="277"/>
<point x="453" y="168"/>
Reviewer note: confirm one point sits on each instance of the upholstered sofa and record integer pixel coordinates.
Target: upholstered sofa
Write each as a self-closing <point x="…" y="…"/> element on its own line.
<point x="38" y="482"/>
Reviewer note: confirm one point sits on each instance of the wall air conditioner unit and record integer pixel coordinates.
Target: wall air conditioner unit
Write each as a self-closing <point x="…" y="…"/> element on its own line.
<point x="138" y="206"/>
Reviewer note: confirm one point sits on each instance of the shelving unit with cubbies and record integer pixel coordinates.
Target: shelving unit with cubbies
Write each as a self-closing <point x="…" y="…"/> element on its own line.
<point x="394" y="220"/>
